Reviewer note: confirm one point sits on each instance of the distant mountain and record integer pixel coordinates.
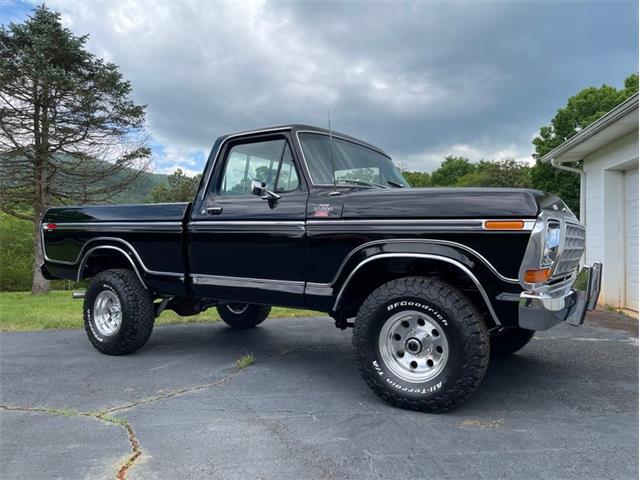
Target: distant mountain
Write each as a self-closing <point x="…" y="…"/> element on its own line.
<point x="140" y="190"/>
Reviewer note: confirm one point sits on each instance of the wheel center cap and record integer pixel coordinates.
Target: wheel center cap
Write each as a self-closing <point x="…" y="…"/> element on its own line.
<point x="413" y="345"/>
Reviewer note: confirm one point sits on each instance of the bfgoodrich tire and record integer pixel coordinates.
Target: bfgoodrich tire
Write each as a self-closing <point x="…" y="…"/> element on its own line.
<point x="507" y="341"/>
<point x="420" y="344"/>
<point x="118" y="312"/>
<point x="242" y="316"/>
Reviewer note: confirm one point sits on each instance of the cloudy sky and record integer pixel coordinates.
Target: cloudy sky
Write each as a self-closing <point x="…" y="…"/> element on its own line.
<point x="420" y="79"/>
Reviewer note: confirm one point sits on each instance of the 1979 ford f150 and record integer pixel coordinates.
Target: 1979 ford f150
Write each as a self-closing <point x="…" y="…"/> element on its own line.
<point x="432" y="281"/>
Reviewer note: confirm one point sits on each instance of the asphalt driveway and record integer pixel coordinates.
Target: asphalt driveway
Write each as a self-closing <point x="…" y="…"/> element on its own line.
<point x="566" y="407"/>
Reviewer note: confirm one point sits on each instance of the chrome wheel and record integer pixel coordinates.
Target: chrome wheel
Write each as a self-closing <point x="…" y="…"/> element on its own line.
<point x="107" y="313"/>
<point x="237" y="308"/>
<point x="413" y="346"/>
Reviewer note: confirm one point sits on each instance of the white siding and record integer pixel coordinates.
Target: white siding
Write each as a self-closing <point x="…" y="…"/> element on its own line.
<point x="606" y="215"/>
<point x="631" y="236"/>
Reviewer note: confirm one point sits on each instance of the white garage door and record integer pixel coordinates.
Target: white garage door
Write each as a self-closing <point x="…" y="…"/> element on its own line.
<point x="631" y="233"/>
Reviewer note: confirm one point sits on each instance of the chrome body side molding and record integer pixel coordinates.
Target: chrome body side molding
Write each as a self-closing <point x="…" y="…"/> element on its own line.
<point x="83" y="254"/>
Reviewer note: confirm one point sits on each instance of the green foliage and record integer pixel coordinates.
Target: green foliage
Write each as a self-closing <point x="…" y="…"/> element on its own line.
<point x="503" y="173"/>
<point x="417" y="179"/>
<point x="245" y="361"/>
<point x="177" y="188"/>
<point x="580" y="111"/>
<point x="461" y="172"/>
<point x="16" y="253"/>
<point x="16" y="256"/>
<point x="451" y="170"/>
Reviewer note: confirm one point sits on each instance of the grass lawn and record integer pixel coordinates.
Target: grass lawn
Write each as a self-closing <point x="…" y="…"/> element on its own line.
<point x="22" y="311"/>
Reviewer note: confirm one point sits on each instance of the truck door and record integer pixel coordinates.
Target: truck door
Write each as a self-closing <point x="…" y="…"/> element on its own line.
<point x="242" y="247"/>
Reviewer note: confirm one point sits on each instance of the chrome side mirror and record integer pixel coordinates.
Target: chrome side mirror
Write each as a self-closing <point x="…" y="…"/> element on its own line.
<point x="260" y="189"/>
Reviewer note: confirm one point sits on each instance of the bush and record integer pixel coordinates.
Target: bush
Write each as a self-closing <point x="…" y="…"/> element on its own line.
<point x="16" y="253"/>
<point x="16" y="256"/>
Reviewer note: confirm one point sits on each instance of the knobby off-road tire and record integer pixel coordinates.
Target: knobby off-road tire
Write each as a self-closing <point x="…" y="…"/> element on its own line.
<point x="241" y="316"/>
<point x="432" y="318"/>
<point x="507" y="341"/>
<point x="118" y="312"/>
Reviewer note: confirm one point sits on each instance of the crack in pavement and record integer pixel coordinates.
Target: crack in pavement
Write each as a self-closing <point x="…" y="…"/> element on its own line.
<point x="105" y="416"/>
<point x="172" y="394"/>
<point x="136" y="451"/>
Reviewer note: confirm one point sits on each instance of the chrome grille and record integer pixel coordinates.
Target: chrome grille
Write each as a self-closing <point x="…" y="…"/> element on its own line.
<point x="573" y="248"/>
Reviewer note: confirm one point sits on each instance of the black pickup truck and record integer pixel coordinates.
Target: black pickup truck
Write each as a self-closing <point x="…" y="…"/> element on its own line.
<point x="433" y="281"/>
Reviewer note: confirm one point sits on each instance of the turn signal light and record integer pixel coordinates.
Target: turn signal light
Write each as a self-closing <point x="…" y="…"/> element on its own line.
<point x="504" y="225"/>
<point x="537" y="276"/>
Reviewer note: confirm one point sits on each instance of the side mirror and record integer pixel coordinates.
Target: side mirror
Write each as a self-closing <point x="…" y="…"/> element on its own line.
<point x="260" y="189"/>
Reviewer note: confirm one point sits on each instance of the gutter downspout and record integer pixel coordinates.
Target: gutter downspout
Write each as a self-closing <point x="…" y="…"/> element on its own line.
<point x="583" y="186"/>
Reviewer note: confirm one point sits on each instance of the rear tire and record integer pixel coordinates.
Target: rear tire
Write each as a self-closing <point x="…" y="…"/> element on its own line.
<point x="507" y="341"/>
<point x="242" y="316"/>
<point x="421" y="344"/>
<point x="118" y="312"/>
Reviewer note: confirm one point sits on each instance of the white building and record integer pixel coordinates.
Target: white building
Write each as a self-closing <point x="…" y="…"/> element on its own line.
<point x="609" y="198"/>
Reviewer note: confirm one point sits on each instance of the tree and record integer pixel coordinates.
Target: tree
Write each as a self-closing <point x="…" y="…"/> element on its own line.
<point x="581" y="110"/>
<point x="178" y="188"/>
<point x="451" y="170"/>
<point x="417" y="179"/>
<point x="502" y="173"/>
<point x="68" y="131"/>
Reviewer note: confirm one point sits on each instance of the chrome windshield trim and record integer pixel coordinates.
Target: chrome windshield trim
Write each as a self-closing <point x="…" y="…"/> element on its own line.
<point x="427" y="256"/>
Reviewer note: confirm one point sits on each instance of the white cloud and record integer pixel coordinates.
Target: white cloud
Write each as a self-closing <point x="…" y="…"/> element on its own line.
<point x="173" y="168"/>
<point x="429" y="159"/>
<point x="457" y="76"/>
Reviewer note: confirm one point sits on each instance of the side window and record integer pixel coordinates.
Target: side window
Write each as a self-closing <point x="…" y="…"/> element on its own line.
<point x="269" y="162"/>
<point x="287" y="176"/>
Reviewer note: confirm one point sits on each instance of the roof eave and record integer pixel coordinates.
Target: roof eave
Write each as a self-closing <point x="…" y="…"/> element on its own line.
<point x="608" y="119"/>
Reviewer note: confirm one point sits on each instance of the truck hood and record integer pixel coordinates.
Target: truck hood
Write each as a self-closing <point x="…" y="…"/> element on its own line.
<point x="447" y="203"/>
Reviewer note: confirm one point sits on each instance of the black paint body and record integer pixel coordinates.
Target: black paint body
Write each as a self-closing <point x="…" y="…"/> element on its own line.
<point x="243" y="249"/>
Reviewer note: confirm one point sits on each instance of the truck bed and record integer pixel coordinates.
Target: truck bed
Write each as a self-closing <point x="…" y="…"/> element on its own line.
<point x="151" y="235"/>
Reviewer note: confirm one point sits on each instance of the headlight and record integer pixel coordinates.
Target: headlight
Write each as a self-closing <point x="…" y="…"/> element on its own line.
<point x="551" y="244"/>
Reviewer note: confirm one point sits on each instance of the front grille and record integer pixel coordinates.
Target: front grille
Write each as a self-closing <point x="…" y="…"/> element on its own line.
<point x="574" y="240"/>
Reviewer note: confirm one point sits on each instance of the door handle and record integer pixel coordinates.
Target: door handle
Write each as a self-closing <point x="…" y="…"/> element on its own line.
<point x="213" y="210"/>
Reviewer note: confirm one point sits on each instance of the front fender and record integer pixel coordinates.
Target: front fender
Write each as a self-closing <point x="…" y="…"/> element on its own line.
<point x="499" y="292"/>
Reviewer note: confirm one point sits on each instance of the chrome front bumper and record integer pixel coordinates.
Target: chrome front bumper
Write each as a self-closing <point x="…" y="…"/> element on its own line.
<point x="540" y="311"/>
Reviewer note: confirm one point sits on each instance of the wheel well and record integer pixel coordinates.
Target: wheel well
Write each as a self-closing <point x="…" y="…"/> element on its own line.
<point x="105" y="257"/>
<point x="374" y="274"/>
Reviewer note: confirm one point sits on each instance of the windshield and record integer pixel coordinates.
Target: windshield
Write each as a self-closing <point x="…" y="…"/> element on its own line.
<point x="354" y="164"/>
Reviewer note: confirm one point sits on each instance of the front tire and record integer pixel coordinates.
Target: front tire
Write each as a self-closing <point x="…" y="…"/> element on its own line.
<point x="507" y="341"/>
<point x="242" y="316"/>
<point x="118" y="312"/>
<point x="420" y="344"/>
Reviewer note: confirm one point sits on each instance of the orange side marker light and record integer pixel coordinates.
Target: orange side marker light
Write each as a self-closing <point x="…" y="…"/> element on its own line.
<point x="537" y="276"/>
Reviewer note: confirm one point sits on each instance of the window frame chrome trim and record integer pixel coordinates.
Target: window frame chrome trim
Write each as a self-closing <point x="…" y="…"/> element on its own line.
<point x="205" y="186"/>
